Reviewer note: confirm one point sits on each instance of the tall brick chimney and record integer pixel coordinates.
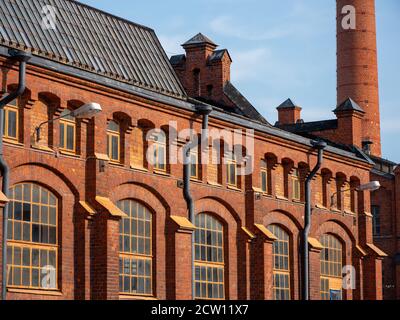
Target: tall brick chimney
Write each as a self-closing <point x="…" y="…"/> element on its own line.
<point x="203" y="71"/>
<point x="357" y="67"/>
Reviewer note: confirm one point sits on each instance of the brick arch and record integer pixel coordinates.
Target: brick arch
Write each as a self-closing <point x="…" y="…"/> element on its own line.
<point x="142" y="193"/>
<point x="67" y="196"/>
<point x="42" y="170"/>
<point x="283" y="218"/>
<point x="337" y="228"/>
<point x="158" y="206"/>
<point x="227" y="217"/>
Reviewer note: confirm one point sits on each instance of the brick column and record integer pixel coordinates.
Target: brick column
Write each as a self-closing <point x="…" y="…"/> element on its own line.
<point x="104" y="257"/>
<point x="261" y="264"/>
<point x="372" y="276"/>
<point x="315" y="272"/>
<point x="179" y="258"/>
<point x="358" y="257"/>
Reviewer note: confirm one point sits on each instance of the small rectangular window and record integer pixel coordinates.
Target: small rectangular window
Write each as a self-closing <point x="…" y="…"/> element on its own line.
<point x="194" y="163"/>
<point x="376" y="220"/>
<point x="231" y="171"/>
<point x="296" y="185"/>
<point x="10" y="121"/>
<point x="67" y="135"/>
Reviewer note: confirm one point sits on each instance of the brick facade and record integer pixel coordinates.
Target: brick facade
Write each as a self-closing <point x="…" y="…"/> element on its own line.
<point x="88" y="260"/>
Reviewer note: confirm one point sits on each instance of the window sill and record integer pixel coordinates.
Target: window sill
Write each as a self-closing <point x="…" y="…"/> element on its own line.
<point x="41" y="292"/>
<point x="42" y="148"/>
<point x="282" y="198"/>
<point x="297" y="201"/>
<point x="161" y="173"/>
<point x="13" y="142"/>
<point x="138" y="168"/>
<point x="116" y="164"/>
<point x="133" y="297"/>
<point x="69" y="153"/>
<point x="214" y="184"/>
<point x="233" y="188"/>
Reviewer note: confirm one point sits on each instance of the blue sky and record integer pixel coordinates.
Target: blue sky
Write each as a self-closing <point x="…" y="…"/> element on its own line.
<point x="280" y="49"/>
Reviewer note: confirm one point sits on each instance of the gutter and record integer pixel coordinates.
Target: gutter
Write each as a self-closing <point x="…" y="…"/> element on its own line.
<point x="320" y="146"/>
<point x="205" y="111"/>
<point x="22" y="58"/>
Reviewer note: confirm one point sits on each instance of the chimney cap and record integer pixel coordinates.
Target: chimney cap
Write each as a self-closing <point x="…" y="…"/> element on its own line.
<point x="287" y="104"/>
<point x="199" y="39"/>
<point x="348" y="105"/>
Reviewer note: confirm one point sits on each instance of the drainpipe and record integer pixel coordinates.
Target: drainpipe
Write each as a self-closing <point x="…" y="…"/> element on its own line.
<point x="320" y="146"/>
<point x="205" y="111"/>
<point x="22" y="58"/>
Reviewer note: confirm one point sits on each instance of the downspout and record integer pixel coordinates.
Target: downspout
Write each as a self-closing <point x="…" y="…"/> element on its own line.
<point x="320" y="146"/>
<point x="22" y="58"/>
<point x="205" y="111"/>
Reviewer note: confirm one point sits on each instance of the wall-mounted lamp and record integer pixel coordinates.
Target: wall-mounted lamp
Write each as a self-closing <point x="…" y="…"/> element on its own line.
<point x="371" y="186"/>
<point x="86" y="111"/>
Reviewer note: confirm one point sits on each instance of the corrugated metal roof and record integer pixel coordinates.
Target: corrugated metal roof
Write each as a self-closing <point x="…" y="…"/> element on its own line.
<point x="89" y="39"/>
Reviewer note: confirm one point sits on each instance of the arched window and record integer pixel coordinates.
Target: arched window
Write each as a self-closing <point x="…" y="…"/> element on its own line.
<point x="281" y="266"/>
<point x="67" y="132"/>
<point x="113" y="141"/>
<point x="331" y="268"/>
<point x="32" y="238"/>
<point x="10" y="121"/>
<point x="160" y="151"/>
<point x="135" y="246"/>
<point x="209" y="258"/>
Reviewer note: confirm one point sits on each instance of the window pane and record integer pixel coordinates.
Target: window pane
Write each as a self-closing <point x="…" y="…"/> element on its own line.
<point x="12" y="124"/>
<point x="29" y="220"/>
<point x="70" y="137"/>
<point x="208" y="249"/>
<point x="115" y="148"/>
<point x="62" y="136"/>
<point x="135" y="230"/>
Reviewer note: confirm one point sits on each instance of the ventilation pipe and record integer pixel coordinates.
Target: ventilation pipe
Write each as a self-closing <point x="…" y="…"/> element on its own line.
<point x="203" y="110"/>
<point x="22" y="58"/>
<point x="320" y="146"/>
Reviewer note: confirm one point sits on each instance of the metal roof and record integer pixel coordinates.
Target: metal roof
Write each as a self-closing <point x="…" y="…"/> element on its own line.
<point x="199" y="39"/>
<point x="306" y="127"/>
<point x="287" y="104"/>
<point x="89" y="39"/>
<point x="245" y="107"/>
<point x="349" y="105"/>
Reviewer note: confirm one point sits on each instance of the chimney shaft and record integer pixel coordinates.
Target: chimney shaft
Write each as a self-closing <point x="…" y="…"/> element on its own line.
<point x="357" y="67"/>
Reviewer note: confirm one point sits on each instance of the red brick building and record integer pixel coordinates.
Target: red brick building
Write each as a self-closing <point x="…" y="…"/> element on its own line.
<point x="91" y="217"/>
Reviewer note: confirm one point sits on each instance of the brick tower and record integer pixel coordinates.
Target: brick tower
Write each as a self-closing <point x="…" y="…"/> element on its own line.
<point x="357" y="67"/>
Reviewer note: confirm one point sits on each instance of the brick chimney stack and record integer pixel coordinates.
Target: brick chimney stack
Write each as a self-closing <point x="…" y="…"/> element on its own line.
<point x="203" y="70"/>
<point x="357" y="67"/>
<point x="288" y="113"/>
